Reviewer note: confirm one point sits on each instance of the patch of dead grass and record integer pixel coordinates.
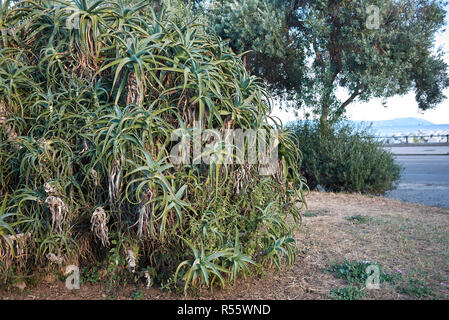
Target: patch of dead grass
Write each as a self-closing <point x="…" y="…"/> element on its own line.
<point x="399" y="236"/>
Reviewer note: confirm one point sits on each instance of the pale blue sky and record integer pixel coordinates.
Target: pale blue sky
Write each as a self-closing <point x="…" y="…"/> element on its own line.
<point x="397" y="107"/>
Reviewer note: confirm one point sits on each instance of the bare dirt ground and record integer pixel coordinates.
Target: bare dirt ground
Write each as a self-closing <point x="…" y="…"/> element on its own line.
<point x="407" y="239"/>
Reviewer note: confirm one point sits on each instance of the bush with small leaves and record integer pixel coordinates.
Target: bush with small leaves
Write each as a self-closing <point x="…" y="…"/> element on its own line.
<point x="344" y="158"/>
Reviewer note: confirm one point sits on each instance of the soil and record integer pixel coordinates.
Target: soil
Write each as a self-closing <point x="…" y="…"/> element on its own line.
<point x="405" y="239"/>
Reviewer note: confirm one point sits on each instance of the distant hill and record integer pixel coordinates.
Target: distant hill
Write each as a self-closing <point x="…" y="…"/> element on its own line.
<point x="400" y="122"/>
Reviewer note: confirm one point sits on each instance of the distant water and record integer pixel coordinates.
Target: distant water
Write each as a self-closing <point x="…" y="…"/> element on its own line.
<point x="398" y="127"/>
<point x="388" y="131"/>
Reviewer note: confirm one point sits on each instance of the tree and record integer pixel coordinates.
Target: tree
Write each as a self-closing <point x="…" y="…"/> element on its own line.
<point x="317" y="47"/>
<point x="260" y="30"/>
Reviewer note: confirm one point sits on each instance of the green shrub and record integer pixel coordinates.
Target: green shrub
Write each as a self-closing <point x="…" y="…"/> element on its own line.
<point x="343" y="158"/>
<point x="86" y="119"/>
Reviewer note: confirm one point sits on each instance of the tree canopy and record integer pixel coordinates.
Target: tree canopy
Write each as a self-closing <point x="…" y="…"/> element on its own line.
<point x="310" y="49"/>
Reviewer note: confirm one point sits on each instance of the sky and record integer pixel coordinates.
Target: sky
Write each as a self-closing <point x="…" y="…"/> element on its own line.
<point x="398" y="106"/>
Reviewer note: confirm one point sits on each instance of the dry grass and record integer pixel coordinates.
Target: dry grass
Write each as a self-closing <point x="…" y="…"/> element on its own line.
<point x="411" y="238"/>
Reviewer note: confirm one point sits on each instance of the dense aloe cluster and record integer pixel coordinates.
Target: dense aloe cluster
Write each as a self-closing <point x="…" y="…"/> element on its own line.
<point x="90" y="94"/>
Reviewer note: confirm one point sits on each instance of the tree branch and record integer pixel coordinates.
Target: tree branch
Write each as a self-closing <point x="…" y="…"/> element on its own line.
<point x="348" y="101"/>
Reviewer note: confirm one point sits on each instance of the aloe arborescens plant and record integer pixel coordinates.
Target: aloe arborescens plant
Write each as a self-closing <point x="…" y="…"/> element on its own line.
<point x="93" y="104"/>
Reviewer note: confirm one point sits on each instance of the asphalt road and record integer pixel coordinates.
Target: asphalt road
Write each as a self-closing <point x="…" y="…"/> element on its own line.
<point x="425" y="180"/>
<point x="428" y="150"/>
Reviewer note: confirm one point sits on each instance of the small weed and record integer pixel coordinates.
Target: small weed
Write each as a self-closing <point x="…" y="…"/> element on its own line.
<point x="111" y="294"/>
<point x="356" y="272"/>
<point x="313" y="213"/>
<point x="347" y="293"/>
<point x="359" y="219"/>
<point x="416" y="288"/>
<point x="137" y="294"/>
<point x="169" y="285"/>
<point x="90" y="275"/>
<point x="392" y="278"/>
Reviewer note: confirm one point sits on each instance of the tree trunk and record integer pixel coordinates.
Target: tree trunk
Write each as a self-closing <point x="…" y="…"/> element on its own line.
<point x="324" y="120"/>
<point x="324" y="114"/>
